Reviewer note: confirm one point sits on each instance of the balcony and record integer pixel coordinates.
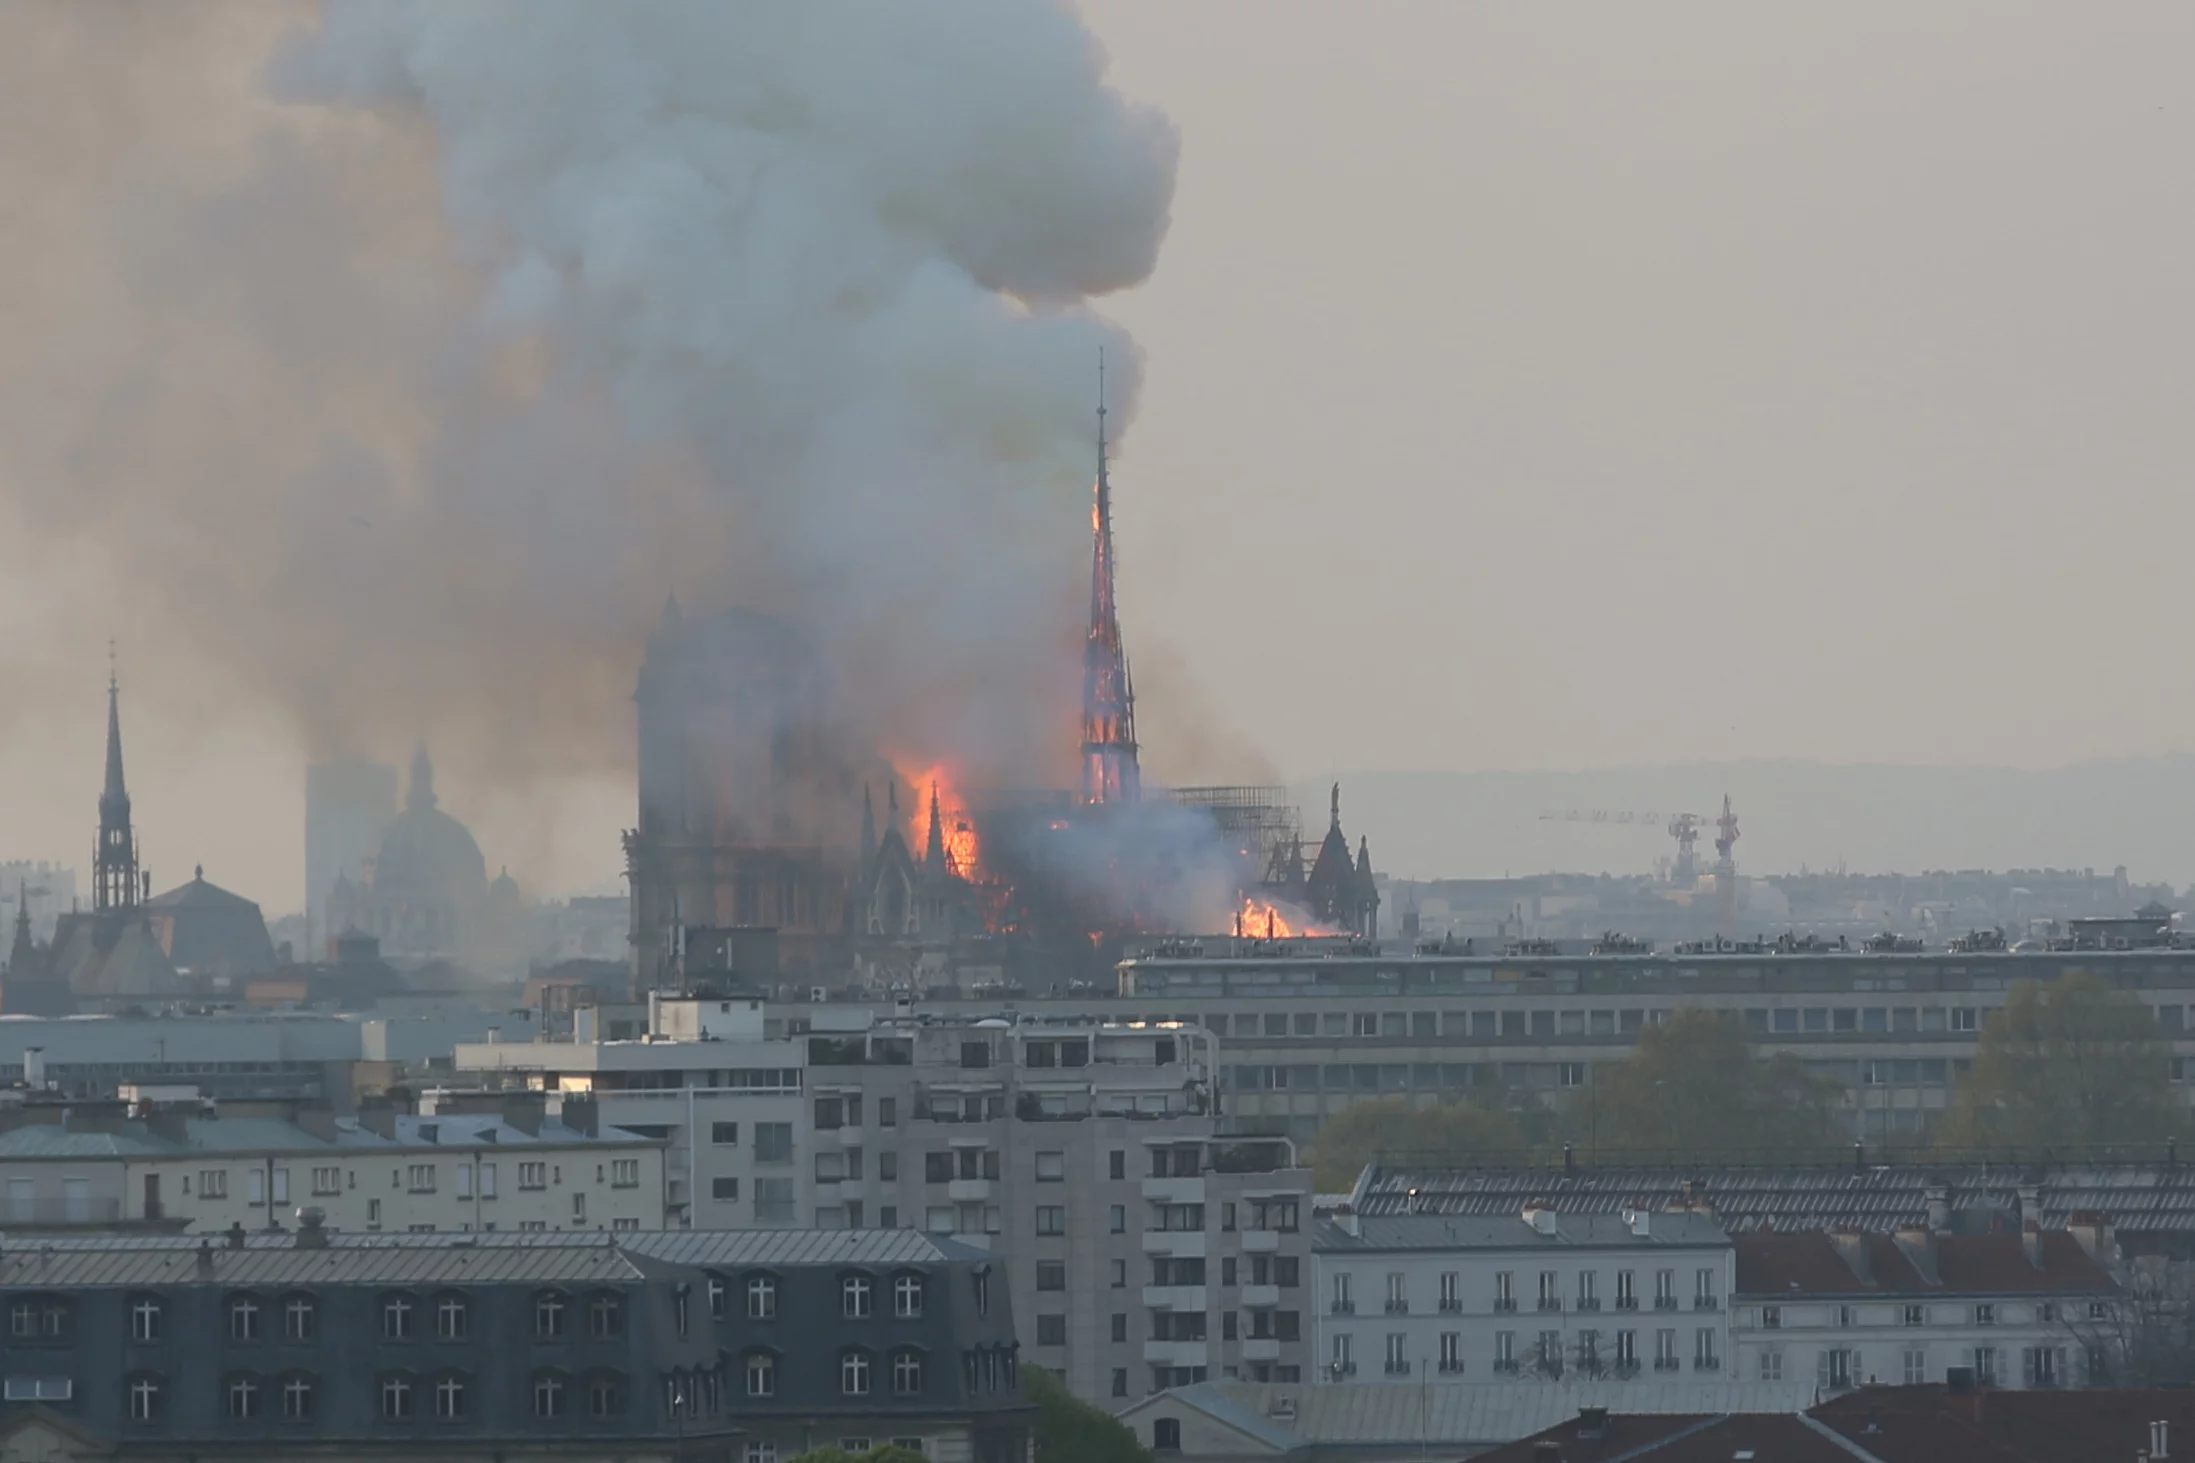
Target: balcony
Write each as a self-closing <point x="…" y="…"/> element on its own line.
<point x="1627" y="1302"/>
<point x="1505" y="1303"/>
<point x="1186" y="1243"/>
<point x="1550" y="1303"/>
<point x="1706" y="1303"/>
<point x="1589" y="1303"/>
<point x="1451" y="1305"/>
<point x="965" y="1191"/>
<point x="1665" y="1302"/>
<point x="1506" y="1366"/>
<point x="1260" y="1297"/>
<point x="1342" y="1308"/>
<point x="1174" y="1191"/>
<point x="1261" y="1348"/>
<point x="1398" y="1369"/>
<point x="1176" y="1353"/>
<point x="1336" y="1370"/>
<point x="1707" y="1363"/>
<point x="1176" y="1297"/>
<point x="1260" y="1241"/>
<point x="1451" y="1368"/>
<point x="1667" y="1364"/>
<point x="1397" y="1307"/>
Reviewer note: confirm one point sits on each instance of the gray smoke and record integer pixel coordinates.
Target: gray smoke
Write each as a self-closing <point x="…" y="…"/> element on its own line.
<point x="403" y="355"/>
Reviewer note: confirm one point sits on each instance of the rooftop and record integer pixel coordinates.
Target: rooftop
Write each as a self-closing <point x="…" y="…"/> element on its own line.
<point x="1515" y="1231"/>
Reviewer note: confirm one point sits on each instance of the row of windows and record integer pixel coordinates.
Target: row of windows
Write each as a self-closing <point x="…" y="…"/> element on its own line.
<point x="858" y="1372"/>
<point x="1583" y="1293"/>
<point x="1486" y="1025"/>
<point x="398" y="1396"/>
<point x="1458" y="1076"/>
<point x="417" y="1178"/>
<point x="1587" y="1353"/>
<point x="1839" y="1367"/>
<point x="857" y="1296"/>
<point x="1980" y="1313"/>
<point x="402" y="1316"/>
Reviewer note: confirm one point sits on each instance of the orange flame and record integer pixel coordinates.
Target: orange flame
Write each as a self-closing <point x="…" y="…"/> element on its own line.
<point x="963" y="849"/>
<point x="1260" y="919"/>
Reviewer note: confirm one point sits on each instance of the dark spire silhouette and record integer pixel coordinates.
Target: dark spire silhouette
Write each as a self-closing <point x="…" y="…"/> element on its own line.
<point x="114" y="861"/>
<point x="1109" y="771"/>
<point x="933" y="851"/>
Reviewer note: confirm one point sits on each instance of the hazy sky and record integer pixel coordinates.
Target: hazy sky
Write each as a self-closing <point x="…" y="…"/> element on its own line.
<point x="1548" y="386"/>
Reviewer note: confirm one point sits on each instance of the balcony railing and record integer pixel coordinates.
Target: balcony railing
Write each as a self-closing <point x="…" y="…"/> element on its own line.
<point x="1667" y="1364"/>
<point x="67" y="1211"/>
<point x="1342" y="1308"/>
<point x="1398" y="1307"/>
<point x="1451" y="1368"/>
<point x="1589" y="1303"/>
<point x="1665" y="1302"/>
<point x="1627" y="1302"/>
<point x="1398" y="1369"/>
<point x="1707" y="1363"/>
<point x="1506" y="1366"/>
<point x="1550" y="1303"/>
<point x="1451" y="1305"/>
<point x="1505" y="1303"/>
<point x="1706" y="1303"/>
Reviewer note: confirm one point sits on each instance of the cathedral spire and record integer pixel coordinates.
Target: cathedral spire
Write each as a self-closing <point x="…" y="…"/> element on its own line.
<point x="1109" y="771"/>
<point x="114" y="861"/>
<point x="933" y="851"/>
<point x="24" y="953"/>
<point x="868" y="825"/>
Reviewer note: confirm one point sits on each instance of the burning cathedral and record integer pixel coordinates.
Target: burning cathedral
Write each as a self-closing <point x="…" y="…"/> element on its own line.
<point x="759" y="857"/>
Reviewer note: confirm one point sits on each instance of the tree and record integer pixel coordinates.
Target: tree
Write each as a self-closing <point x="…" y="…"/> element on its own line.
<point x="1445" y="1134"/>
<point x="1693" y="1086"/>
<point x="1070" y="1430"/>
<point x="2075" y="1066"/>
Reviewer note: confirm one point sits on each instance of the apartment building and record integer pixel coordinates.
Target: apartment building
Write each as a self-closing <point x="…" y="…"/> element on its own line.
<point x="1310" y="1027"/>
<point x="519" y="1164"/>
<point x="1540" y="1294"/>
<point x="2035" y="1308"/>
<point x="675" y="1348"/>
<point x="1150" y="1248"/>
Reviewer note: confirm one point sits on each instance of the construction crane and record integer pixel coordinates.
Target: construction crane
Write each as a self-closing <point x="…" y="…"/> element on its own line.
<point x="1685" y="828"/>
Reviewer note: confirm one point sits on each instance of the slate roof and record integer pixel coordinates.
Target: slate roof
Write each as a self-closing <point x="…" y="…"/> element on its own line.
<point x="207" y="1136"/>
<point x="1784" y="1439"/>
<point x="1440" y="1232"/>
<point x="1818" y="1264"/>
<point x="2140" y="1198"/>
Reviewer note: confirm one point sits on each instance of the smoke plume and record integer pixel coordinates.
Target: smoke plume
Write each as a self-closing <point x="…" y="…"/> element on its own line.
<point x="401" y="356"/>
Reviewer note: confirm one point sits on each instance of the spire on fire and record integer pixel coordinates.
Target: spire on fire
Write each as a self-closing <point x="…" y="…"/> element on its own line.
<point x="114" y="861"/>
<point x="933" y="849"/>
<point x="1109" y="773"/>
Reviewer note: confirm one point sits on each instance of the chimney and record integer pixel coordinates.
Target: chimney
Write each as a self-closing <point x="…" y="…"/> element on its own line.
<point x="582" y="1115"/>
<point x="205" y="1259"/>
<point x="1938" y="1197"/>
<point x="1961" y="1397"/>
<point x="233" y="1236"/>
<point x="2093" y="1232"/>
<point x="1540" y="1217"/>
<point x="2031" y="1239"/>
<point x="1592" y="1422"/>
<point x="524" y="1111"/>
<point x="377" y="1115"/>
<point x="1345" y="1219"/>
<point x="2031" y="1205"/>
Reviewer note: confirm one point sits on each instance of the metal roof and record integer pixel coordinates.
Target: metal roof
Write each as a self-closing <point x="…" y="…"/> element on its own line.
<point x="1512" y="1232"/>
<point x="213" y="1137"/>
<point x="2139" y="1198"/>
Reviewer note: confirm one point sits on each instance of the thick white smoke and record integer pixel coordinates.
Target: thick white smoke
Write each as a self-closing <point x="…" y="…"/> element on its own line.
<point x="840" y="252"/>
<point x="399" y="356"/>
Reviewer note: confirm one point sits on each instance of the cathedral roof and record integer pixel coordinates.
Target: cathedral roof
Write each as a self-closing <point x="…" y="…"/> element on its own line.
<point x="112" y="955"/>
<point x="1333" y="868"/>
<point x="427" y="855"/>
<point x="206" y="929"/>
<point x="198" y="894"/>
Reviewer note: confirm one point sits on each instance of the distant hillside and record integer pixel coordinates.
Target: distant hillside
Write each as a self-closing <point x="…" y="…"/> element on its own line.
<point x="2139" y="812"/>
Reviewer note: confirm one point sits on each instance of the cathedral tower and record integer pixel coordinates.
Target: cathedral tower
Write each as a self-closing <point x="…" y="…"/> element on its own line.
<point x="114" y="862"/>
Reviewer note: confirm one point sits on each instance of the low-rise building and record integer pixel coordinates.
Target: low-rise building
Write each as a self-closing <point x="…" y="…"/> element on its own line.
<point x="2032" y="1309"/>
<point x="1538" y="1294"/>
<point x="523" y="1164"/>
<point x="729" y="1348"/>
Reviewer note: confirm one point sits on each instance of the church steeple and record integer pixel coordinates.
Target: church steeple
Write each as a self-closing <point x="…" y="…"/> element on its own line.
<point x="868" y="826"/>
<point x="24" y="954"/>
<point x="1109" y="771"/>
<point x="114" y="861"/>
<point x="933" y="849"/>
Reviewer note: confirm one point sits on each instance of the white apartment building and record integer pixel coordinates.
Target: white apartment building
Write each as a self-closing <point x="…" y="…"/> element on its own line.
<point x="1545" y="1294"/>
<point x="452" y="1169"/>
<point x="1145" y="1249"/>
<point x="1843" y="1309"/>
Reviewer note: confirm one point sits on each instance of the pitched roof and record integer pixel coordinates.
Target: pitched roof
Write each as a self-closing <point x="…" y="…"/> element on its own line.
<point x="1719" y="1439"/>
<point x="1930" y="1425"/>
<point x="1771" y="1265"/>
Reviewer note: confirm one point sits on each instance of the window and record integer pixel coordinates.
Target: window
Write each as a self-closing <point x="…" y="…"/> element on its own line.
<point x="1120" y="1326"/>
<point x="1627" y="1352"/>
<point x="326" y="1181"/>
<point x="419" y="1178"/>
<point x="1848" y="1317"/>
<point x="853" y="1373"/>
<point x="299" y="1319"/>
<point x="548" y="1395"/>
<point x="1589" y="1290"/>
<point x="213" y="1183"/>
<point x="1344" y="1303"/>
<point x="1703" y="1290"/>
<point x="396" y="1318"/>
<point x="1051" y="1167"/>
<point x="605" y="1317"/>
<point x="605" y="1395"/>
<point x="1772" y="1364"/>
<point x="2042" y="1366"/>
<point x="1051" y="1274"/>
<point x="887" y="1112"/>
<point x="907" y="1373"/>
<point x="548" y="1316"/>
<point x="1120" y="1274"/>
<point x="1505" y="1291"/>
<point x="1916" y="1315"/>
<point x="724" y="1135"/>
<point x="243" y="1318"/>
<point x="1916" y="1366"/>
<point x="1665" y="1350"/>
<point x="243" y="1397"/>
<point x="761" y="1374"/>
<point x="761" y="1297"/>
<point x="1665" y="1290"/>
<point x="1166" y="1435"/>
<point x="1771" y="1318"/>
<point x="1052" y="1330"/>
<point x="1051" y="1219"/>
<point x="1704" y="1358"/>
<point x="1985" y="1315"/>
<point x="1985" y="1365"/>
<point x="449" y="1398"/>
<point x="145" y="1319"/>
<point x="1550" y="1291"/>
<point x="773" y="1142"/>
<point x="1838" y="1366"/>
<point x="297" y="1399"/>
<point x="533" y="1175"/>
<point x="1627" y="1291"/>
<point x="624" y="1173"/>
<point x="724" y="1189"/>
<point x="1505" y="1351"/>
<point x="773" y="1201"/>
<point x="855" y="1296"/>
<point x="1451" y="1353"/>
<point x="487" y="1181"/>
<point x="450" y="1318"/>
<point x="396" y="1398"/>
<point x="1398" y="1300"/>
<point x="1398" y="1354"/>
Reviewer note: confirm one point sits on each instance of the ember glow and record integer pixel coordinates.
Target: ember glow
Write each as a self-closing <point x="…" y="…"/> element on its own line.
<point x="963" y="849"/>
<point x="1261" y="919"/>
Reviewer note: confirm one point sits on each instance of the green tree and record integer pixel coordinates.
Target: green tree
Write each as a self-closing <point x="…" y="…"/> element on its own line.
<point x="1693" y="1085"/>
<point x="1446" y="1133"/>
<point x="1070" y="1430"/>
<point x="2074" y="1066"/>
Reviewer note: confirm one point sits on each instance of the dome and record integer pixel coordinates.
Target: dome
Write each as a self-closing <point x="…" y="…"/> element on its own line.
<point x="427" y="857"/>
